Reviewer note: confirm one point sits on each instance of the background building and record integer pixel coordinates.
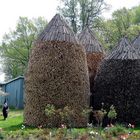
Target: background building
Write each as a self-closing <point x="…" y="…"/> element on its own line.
<point x="15" y="88"/>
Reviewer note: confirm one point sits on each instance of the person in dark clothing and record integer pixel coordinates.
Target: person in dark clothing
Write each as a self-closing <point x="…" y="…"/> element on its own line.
<point x="5" y="110"/>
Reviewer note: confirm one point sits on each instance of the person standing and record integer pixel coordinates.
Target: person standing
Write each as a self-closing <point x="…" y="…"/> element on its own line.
<point x="5" y="110"/>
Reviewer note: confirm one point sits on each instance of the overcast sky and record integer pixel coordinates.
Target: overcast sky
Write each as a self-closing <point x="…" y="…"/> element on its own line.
<point x="10" y="10"/>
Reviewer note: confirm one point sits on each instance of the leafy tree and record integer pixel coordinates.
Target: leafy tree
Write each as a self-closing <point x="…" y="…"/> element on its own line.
<point x="124" y="22"/>
<point x="106" y="32"/>
<point x="81" y="12"/>
<point x="17" y="44"/>
<point x="69" y="9"/>
<point x="136" y="14"/>
<point x="90" y="10"/>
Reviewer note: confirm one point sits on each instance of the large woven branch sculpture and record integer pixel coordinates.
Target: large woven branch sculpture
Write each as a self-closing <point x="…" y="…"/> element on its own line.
<point x="57" y="74"/>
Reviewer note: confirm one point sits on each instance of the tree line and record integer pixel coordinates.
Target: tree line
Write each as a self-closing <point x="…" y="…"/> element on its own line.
<point x="16" y="45"/>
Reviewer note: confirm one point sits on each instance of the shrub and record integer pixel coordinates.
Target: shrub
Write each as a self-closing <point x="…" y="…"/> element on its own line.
<point x="65" y="114"/>
<point x="99" y="116"/>
<point x="112" y="114"/>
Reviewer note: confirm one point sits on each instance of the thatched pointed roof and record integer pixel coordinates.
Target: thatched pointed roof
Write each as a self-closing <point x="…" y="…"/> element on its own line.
<point x="123" y="51"/>
<point x="136" y="43"/>
<point x="57" y="30"/>
<point x="88" y="39"/>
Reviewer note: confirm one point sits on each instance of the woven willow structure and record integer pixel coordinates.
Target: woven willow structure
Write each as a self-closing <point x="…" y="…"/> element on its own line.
<point x="117" y="83"/>
<point x="136" y="43"/>
<point x="57" y="74"/>
<point x="94" y="52"/>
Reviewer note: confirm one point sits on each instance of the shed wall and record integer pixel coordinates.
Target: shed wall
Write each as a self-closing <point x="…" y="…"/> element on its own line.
<point x="15" y="89"/>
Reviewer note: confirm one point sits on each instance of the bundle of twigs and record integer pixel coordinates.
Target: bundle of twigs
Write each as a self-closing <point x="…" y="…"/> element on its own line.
<point x="117" y="83"/>
<point x="94" y="52"/>
<point x="57" y="74"/>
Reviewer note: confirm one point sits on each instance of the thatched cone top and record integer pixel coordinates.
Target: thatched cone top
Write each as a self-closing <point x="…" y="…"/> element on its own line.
<point x="58" y="30"/>
<point x="136" y="43"/>
<point x="57" y="75"/>
<point x="88" y="39"/>
<point x="124" y="51"/>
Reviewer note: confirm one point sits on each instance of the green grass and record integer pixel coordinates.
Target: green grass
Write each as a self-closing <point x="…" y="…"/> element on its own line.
<point x="11" y="128"/>
<point x="13" y="122"/>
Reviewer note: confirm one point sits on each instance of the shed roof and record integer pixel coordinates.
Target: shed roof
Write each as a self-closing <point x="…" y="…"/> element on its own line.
<point x="19" y="77"/>
<point x="57" y="30"/>
<point x="123" y="51"/>
<point x="88" y="39"/>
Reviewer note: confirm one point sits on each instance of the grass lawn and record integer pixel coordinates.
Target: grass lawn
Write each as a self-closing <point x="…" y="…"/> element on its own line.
<point x="13" y="122"/>
<point x="12" y="129"/>
<point x="12" y="126"/>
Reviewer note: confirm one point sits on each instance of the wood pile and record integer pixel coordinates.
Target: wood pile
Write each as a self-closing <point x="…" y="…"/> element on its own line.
<point x="94" y="52"/>
<point x="57" y="74"/>
<point x="117" y="83"/>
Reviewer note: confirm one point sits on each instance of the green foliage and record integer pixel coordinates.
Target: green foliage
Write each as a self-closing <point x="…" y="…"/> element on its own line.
<point x="136" y="14"/>
<point x="81" y="12"/>
<point x="121" y="24"/>
<point x="86" y="111"/>
<point x="115" y="131"/>
<point x="124" y="22"/>
<point x="112" y="114"/>
<point x="114" y="29"/>
<point x="17" y="44"/>
<point x="66" y="114"/>
<point x="1" y="136"/>
<point x="11" y="129"/>
<point x="50" y="110"/>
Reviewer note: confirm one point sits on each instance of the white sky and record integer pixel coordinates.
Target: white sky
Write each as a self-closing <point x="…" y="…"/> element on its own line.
<point x="118" y="4"/>
<point x="10" y="10"/>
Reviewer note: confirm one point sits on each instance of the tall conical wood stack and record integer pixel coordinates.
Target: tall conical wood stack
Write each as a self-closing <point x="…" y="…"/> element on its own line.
<point x="57" y="74"/>
<point x="117" y="83"/>
<point x="94" y="52"/>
